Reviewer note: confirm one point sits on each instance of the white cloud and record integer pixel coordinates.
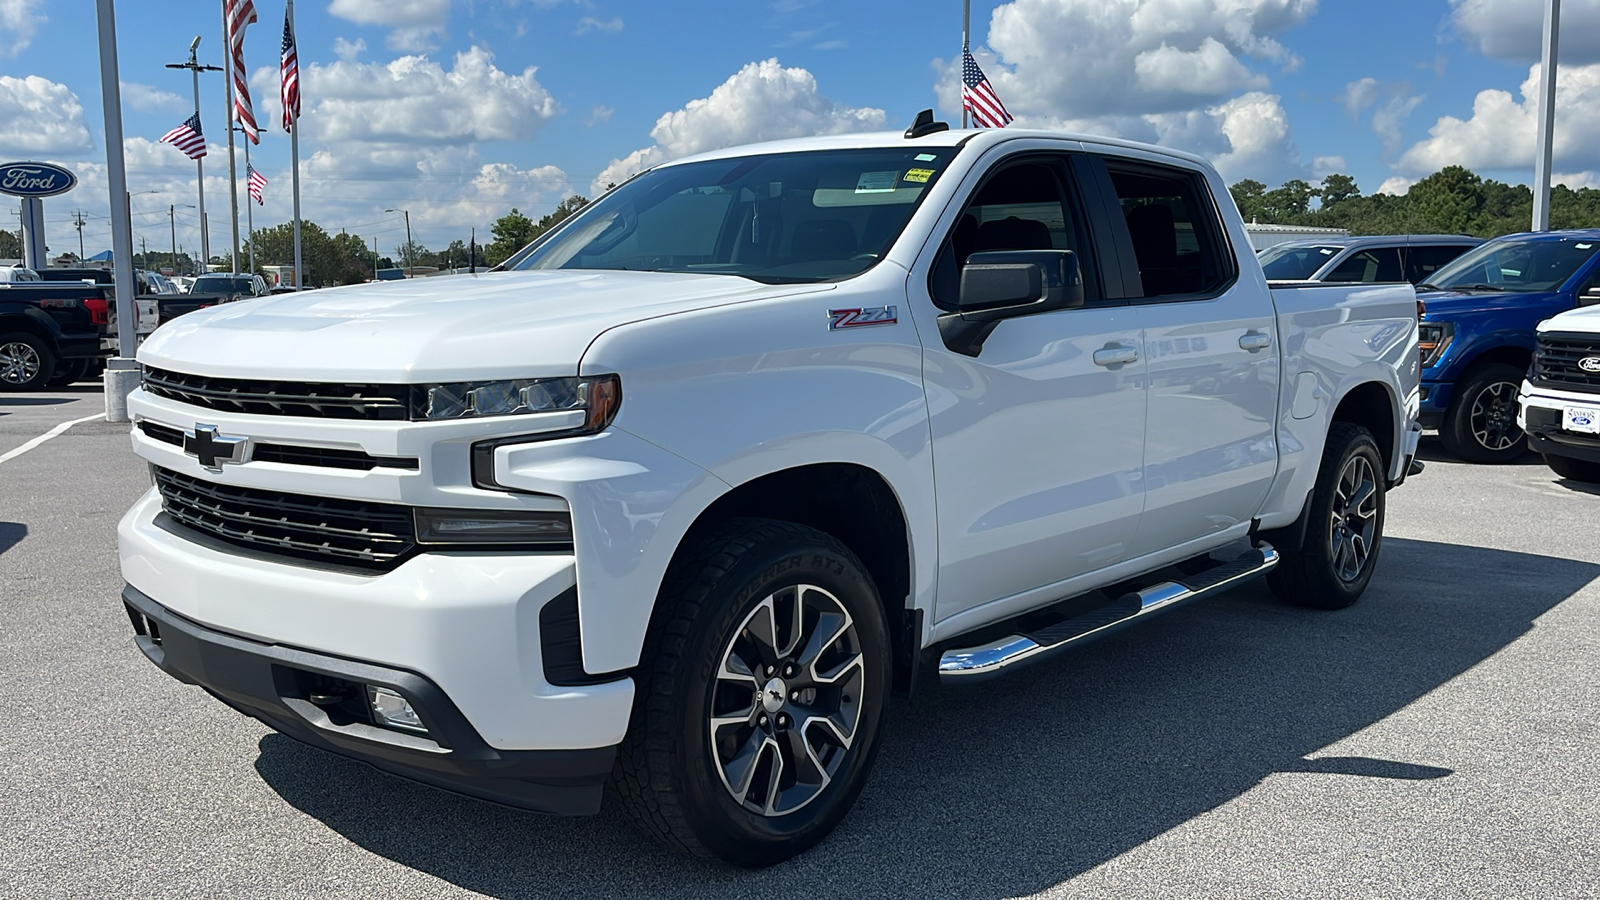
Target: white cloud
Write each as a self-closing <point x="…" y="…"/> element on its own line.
<point x="151" y="99"/>
<point x="1578" y="180"/>
<point x="349" y="50"/>
<point x="1501" y="132"/>
<point x="590" y="23"/>
<point x="761" y="102"/>
<point x="414" y="100"/>
<point x="1208" y="71"/>
<point x="1514" y="29"/>
<point x="39" y="117"/>
<point x="1358" y="95"/>
<point x="1388" y="120"/>
<point x="413" y="23"/>
<point x="1257" y="130"/>
<point x="19" y="22"/>
<point x="1396" y="186"/>
<point x="1093" y="59"/>
<point x="1323" y="166"/>
<point x="600" y="114"/>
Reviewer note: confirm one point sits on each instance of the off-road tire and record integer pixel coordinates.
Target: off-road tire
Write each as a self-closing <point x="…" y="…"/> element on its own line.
<point x="667" y="773"/>
<point x="1574" y="469"/>
<point x="1309" y="575"/>
<point x="1484" y="408"/>
<point x="23" y="349"/>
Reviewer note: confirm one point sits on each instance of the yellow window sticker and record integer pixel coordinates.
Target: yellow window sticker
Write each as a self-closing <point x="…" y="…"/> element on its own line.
<point x="918" y="176"/>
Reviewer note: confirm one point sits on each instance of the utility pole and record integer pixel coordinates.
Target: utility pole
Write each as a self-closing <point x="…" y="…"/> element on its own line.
<point x="410" y="267"/>
<point x="193" y="65"/>
<point x="77" y="219"/>
<point x="1544" y="153"/>
<point x="172" y="222"/>
<point x="374" y="257"/>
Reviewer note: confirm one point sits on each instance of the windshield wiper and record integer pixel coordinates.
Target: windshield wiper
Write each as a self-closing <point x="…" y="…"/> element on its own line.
<point x="1483" y="287"/>
<point x="1424" y="286"/>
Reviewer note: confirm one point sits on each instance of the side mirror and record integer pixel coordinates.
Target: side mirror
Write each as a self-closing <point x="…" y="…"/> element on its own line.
<point x="1590" y="295"/>
<point x="1007" y="284"/>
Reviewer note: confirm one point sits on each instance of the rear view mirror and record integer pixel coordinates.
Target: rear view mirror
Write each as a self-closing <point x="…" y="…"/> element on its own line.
<point x="1007" y="284"/>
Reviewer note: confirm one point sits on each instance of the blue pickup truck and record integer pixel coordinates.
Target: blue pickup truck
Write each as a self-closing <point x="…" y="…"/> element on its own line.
<point x="1477" y="333"/>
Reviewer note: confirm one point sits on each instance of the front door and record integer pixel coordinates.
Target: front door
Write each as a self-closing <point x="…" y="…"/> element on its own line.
<point x="1037" y="441"/>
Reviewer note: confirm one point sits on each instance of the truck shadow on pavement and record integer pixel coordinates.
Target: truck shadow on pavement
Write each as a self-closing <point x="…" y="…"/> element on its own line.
<point x="1015" y="785"/>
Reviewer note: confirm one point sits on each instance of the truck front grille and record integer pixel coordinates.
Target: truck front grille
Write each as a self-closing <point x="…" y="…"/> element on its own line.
<point x="346" y="532"/>
<point x="1556" y="361"/>
<point x="375" y="402"/>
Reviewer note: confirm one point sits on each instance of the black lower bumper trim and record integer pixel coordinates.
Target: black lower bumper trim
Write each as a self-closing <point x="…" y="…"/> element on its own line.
<point x="1562" y="443"/>
<point x="276" y="685"/>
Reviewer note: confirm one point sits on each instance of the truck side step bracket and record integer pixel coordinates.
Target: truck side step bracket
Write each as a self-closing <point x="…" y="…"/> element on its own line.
<point x="970" y="664"/>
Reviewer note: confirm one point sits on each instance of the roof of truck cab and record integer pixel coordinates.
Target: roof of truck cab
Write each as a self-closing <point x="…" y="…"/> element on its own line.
<point x="979" y="139"/>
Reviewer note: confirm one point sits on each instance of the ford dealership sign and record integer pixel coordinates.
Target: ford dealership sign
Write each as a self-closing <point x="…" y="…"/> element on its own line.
<point x="35" y="179"/>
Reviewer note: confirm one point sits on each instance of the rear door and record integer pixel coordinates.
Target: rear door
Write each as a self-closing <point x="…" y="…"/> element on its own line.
<point x="1038" y="440"/>
<point x="1210" y="345"/>
<point x="1374" y="264"/>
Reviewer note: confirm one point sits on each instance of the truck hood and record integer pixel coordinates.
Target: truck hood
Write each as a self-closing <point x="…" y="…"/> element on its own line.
<point x="446" y="328"/>
<point x="1445" y="304"/>
<point x="1584" y="318"/>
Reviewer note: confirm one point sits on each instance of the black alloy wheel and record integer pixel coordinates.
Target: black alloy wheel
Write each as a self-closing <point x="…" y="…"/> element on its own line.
<point x="1481" y="424"/>
<point x="759" y="695"/>
<point x="1344" y="528"/>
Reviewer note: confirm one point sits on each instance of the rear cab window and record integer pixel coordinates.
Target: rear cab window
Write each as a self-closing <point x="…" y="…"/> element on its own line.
<point x="1171" y="219"/>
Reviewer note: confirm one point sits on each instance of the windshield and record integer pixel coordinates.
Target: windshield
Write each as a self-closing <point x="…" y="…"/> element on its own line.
<point x="783" y="218"/>
<point x="1291" y="263"/>
<point x="213" y="284"/>
<point x="1537" y="265"/>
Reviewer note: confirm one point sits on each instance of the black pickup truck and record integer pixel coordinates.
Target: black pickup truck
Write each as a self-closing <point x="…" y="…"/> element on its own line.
<point x="50" y="334"/>
<point x="211" y="289"/>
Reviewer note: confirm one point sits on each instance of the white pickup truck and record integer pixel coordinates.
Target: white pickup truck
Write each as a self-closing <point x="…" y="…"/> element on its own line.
<point x="1559" y="404"/>
<point x="684" y="499"/>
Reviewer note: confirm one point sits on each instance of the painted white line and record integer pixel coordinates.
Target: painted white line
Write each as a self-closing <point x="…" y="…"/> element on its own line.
<point x="54" y="432"/>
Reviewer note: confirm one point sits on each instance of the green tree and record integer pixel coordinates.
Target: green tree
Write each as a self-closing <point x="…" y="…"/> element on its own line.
<point x="1338" y="188"/>
<point x="1289" y="203"/>
<point x="1449" y="201"/>
<point x="512" y="232"/>
<point x="1247" y="195"/>
<point x="10" y="245"/>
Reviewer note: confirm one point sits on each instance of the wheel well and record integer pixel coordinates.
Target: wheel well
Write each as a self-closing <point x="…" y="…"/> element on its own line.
<point x="25" y="324"/>
<point x="853" y="504"/>
<point x="1370" y="406"/>
<point x="1519" y="357"/>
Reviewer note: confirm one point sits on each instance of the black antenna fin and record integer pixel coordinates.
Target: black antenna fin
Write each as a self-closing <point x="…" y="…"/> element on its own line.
<point x="925" y="125"/>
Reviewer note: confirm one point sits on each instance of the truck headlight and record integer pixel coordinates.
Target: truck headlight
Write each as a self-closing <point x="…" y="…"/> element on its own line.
<point x="597" y="396"/>
<point x="1433" y="338"/>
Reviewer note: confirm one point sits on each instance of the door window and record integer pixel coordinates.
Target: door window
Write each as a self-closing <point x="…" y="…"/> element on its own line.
<point x="1377" y="264"/>
<point x="1020" y="207"/>
<point x="1173" y="225"/>
<point x="1422" y="262"/>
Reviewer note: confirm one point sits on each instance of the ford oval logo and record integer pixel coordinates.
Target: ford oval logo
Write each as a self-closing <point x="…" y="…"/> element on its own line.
<point x="35" y="179"/>
<point x="1590" y="364"/>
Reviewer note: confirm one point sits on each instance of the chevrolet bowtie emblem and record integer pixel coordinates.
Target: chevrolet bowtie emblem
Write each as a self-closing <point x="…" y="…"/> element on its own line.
<point x="213" y="450"/>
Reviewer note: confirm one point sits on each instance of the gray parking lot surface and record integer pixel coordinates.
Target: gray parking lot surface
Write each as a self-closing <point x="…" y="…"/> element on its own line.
<point x="1438" y="739"/>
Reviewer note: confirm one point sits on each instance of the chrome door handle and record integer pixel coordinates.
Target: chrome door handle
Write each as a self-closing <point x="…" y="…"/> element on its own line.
<point x="1115" y="356"/>
<point x="1254" y="340"/>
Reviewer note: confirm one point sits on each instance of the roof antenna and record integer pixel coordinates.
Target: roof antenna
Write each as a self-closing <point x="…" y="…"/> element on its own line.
<point x="926" y="125"/>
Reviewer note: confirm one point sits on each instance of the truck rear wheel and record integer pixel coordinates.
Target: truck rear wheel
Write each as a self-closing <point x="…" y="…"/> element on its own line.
<point x="68" y="372"/>
<point x="760" y="695"/>
<point x="1345" y="528"/>
<point x="1574" y="469"/>
<point x="26" y="362"/>
<point x="1481" y="424"/>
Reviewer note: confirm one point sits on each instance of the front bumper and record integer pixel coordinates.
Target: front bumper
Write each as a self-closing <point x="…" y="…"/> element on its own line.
<point x="276" y="685"/>
<point x="469" y="623"/>
<point x="1539" y="413"/>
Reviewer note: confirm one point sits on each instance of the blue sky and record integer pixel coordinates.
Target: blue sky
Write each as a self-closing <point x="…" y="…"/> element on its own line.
<point x="460" y="109"/>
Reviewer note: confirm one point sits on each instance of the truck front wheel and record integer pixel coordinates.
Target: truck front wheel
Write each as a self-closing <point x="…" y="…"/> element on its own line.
<point x="1344" y="533"/>
<point x="1574" y="469"/>
<point x="760" y="695"/>
<point x="1481" y="424"/>
<point x="26" y="362"/>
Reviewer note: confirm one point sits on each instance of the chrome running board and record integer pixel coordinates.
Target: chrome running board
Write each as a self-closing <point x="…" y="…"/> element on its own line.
<point x="969" y="664"/>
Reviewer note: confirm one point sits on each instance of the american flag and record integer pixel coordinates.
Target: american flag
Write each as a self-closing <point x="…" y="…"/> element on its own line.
<point x="238" y="14"/>
<point x="978" y="96"/>
<point x="258" y="183"/>
<point x="289" y="77"/>
<point x="187" y="137"/>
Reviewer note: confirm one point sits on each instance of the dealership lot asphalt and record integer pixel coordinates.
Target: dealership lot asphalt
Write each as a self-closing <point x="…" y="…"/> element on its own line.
<point x="1439" y="739"/>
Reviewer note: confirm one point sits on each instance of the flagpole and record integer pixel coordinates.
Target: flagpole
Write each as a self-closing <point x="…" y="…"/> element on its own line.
<point x="966" y="35"/>
<point x="294" y="162"/>
<point x="249" y="211"/>
<point x="233" y="167"/>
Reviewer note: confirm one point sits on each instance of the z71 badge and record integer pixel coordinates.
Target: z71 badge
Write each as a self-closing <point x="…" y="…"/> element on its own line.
<point x="856" y="318"/>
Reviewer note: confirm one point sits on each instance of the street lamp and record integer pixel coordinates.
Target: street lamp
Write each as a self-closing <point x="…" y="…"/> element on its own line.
<point x="410" y="269"/>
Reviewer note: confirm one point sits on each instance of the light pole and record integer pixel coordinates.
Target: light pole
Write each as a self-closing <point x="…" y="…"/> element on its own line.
<point x="1543" y="153"/>
<point x="193" y="65"/>
<point x="122" y="373"/>
<point x="172" y="222"/>
<point x="410" y="268"/>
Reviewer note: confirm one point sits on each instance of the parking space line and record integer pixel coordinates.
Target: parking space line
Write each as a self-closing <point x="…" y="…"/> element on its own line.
<point x="54" y="432"/>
